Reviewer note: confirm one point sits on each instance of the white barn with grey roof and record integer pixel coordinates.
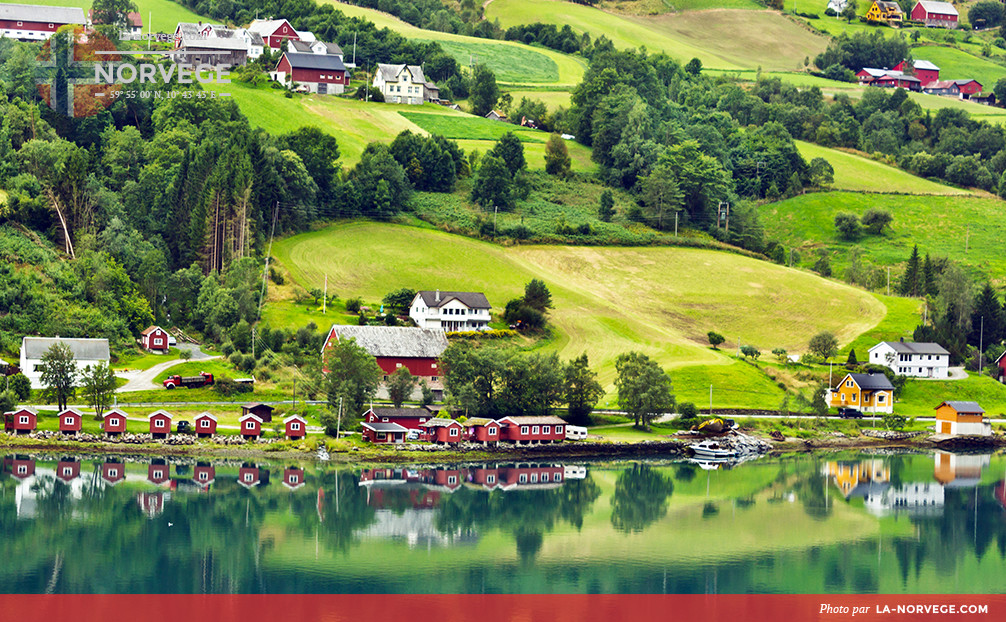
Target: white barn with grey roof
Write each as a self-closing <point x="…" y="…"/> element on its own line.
<point x="450" y="311"/>
<point x="916" y="360"/>
<point x="85" y="352"/>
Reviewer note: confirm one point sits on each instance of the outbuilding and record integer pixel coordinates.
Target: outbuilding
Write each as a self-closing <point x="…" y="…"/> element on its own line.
<point x="251" y="427"/>
<point x="155" y="339"/>
<point x="160" y="424"/>
<point x="296" y="427"/>
<point x="114" y="422"/>
<point x="548" y="429"/>
<point x="20" y="421"/>
<point x="936" y="14"/>
<point x="379" y="432"/>
<point x="444" y="430"/>
<point x="483" y="430"/>
<point x="260" y="410"/>
<point x="964" y="418"/>
<point x="206" y="425"/>
<point x="70" y="421"/>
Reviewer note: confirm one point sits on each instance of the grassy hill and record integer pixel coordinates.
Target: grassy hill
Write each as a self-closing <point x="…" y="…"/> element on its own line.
<point x="607" y="300"/>
<point x="164" y="13"/>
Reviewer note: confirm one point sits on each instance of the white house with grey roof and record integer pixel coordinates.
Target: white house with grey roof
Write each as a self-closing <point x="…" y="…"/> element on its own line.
<point x="450" y="311"/>
<point x="916" y="360"/>
<point x="85" y="352"/>
<point x="404" y="84"/>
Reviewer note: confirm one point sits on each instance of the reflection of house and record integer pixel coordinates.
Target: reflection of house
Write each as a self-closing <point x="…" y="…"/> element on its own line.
<point x="293" y="477"/>
<point x="959" y="470"/>
<point x="866" y="392"/>
<point x="113" y="472"/>
<point x="858" y="478"/>
<point x="966" y="418"/>
<point x="916" y="498"/>
<point x="152" y="503"/>
<point x="158" y="473"/>
<point x="921" y="360"/>
<point x="204" y="474"/>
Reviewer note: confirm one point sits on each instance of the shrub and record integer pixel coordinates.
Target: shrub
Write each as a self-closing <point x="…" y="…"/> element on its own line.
<point x="353" y="305"/>
<point x="228" y="386"/>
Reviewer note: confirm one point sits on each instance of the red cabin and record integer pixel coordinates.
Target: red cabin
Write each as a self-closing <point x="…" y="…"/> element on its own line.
<point x="160" y="424"/>
<point x="22" y="467"/>
<point x="533" y="429"/>
<point x="481" y="430"/>
<point x="262" y="411"/>
<point x="408" y="418"/>
<point x="251" y="427"/>
<point x="293" y="478"/>
<point x="67" y="470"/>
<point x="380" y="432"/>
<point x="935" y="14"/>
<point x="296" y="427"/>
<point x="205" y="425"/>
<point x="113" y="472"/>
<point x="21" y="421"/>
<point x="157" y="473"/>
<point x="203" y="474"/>
<point x="249" y="476"/>
<point x="155" y="339"/>
<point x="70" y="421"/>
<point x="274" y="31"/>
<point x="114" y="422"/>
<point x="444" y="430"/>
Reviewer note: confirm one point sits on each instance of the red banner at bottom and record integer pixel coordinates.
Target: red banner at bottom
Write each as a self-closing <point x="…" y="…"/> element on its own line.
<point x="496" y="608"/>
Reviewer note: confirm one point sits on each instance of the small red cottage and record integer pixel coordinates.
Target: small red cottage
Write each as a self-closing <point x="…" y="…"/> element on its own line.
<point x="113" y="472"/>
<point x="155" y="339"/>
<point x="296" y="427"/>
<point x="22" y="467"/>
<point x="160" y="424"/>
<point x="67" y="470"/>
<point x="262" y="411"/>
<point x="205" y="425"/>
<point x="251" y="427"/>
<point x="70" y="421"/>
<point x="925" y="71"/>
<point x="274" y="31"/>
<point x="293" y="478"/>
<point x="481" y="430"/>
<point x="379" y="432"/>
<point x="203" y="474"/>
<point x="114" y="422"/>
<point x="157" y="473"/>
<point x="533" y="429"/>
<point x="249" y="476"/>
<point x="21" y="421"/>
<point x="444" y="430"/>
<point x="324" y="74"/>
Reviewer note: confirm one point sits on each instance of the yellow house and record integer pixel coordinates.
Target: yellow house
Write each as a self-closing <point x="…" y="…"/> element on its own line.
<point x="865" y="392"/>
<point x="962" y="418"/>
<point x="889" y="12"/>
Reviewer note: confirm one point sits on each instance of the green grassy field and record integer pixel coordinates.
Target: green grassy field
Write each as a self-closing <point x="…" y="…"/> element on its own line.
<point x="470" y="127"/>
<point x="903" y="315"/>
<point x="941" y="226"/>
<point x="164" y="13"/>
<point x="857" y="173"/>
<point x="607" y="300"/>
<point x="955" y="64"/>
<point x="510" y="63"/>
<point x="552" y="99"/>
<point x="569" y="69"/>
<point x="144" y="360"/>
<point x="920" y="398"/>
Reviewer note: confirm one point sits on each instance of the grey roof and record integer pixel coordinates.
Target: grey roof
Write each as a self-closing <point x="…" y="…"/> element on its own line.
<point x="924" y="64"/>
<point x="873" y="382"/>
<point x="910" y="347"/>
<point x="315" y="61"/>
<point x="35" y="13"/>
<point x="266" y="26"/>
<point x="83" y="349"/>
<point x="390" y="412"/>
<point x="473" y="300"/>
<point x="889" y="5"/>
<point x="547" y="420"/>
<point x="215" y="43"/>
<point x="384" y="427"/>
<point x="439" y="422"/>
<point x="964" y="407"/>
<point x="306" y="47"/>
<point x="390" y="73"/>
<point x="938" y="7"/>
<point x="188" y="29"/>
<point x="474" y="421"/>
<point x="402" y="341"/>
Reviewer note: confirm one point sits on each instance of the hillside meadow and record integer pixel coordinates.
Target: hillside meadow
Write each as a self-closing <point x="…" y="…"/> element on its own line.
<point x="607" y="301"/>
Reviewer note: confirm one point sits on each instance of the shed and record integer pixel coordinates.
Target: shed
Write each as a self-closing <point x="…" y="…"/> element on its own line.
<point x="155" y="339"/>
<point x="20" y="421"/>
<point x="114" y="422"/>
<point x="251" y="426"/>
<point x="260" y="410"/>
<point x="961" y="417"/>
<point x="444" y="430"/>
<point x="160" y="424"/>
<point x="482" y="430"/>
<point x="70" y="421"/>
<point x="205" y="424"/>
<point x="249" y="476"/>
<point x="379" y="432"/>
<point x="296" y="427"/>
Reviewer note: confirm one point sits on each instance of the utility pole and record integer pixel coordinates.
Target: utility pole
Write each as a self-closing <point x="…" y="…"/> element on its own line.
<point x="675" y="224"/>
<point x="294" y="393"/>
<point x="253" y="342"/>
<point x="354" y="49"/>
<point x="496" y="211"/>
<point x="724" y="214"/>
<point x="338" y="421"/>
<point x="981" y="340"/>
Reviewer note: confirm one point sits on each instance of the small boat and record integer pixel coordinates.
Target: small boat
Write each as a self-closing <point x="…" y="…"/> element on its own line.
<point x="713" y="449"/>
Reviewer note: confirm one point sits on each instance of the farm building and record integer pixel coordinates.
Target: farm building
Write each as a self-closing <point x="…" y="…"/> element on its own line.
<point x="918" y="360"/>
<point x="237" y="38"/>
<point x="886" y="12"/>
<point x="404" y="84"/>
<point x="316" y="47"/>
<point x="865" y="392"/>
<point x="29" y="22"/>
<point x="212" y="51"/>
<point x="548" y="429"/>
<point x="160" y="424"/>
<point x="450" y="311"/>
<point x="483" y="430"/>
<point x="20" y="421"/>
<point x="70" y="421"/>
<point x="251" y="426"/>
<point x="114" y="422"/>
<point x="260" y="410"/>
<point x="295" y="427"/>
<point x="85" y="352"/>
<point x="443" y="431"/>
<point x="394" y="347"/>
<point x="408" y="418"/>
<point x="496" y="115"/>
<point x="925" y="71"/>
<point x="155" y="339"/>
<point x="324" y="74"/>
<point x="205" y="425"/>
<point x="383" y="432"/>
<point x="935" y="14"/>
<point x="275" y="31"/>
<point x="964" y="89"/>
<point x="965" y="418"/>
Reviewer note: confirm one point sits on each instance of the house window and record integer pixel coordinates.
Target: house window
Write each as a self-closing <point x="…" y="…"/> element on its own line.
<point x="249" y="477"/>
<point x="452" y="479"/>
<point x="50" y="26"/>
<point x="434" y="378"/>
<point x="854" y="397"/>
<point x="880" y="398"/>
<point x="23" y="419"/>
<point x="558" y="477"/>
<point x="67" y="471"/>
<point x="22" y="469"/>
<point x="546" y="429"/>
<point x="113" y="422"/>
<point x="203" y="475"/>
<point x="534" y="478"/>
<point x="422" y="420"/>
<point x="544" y="477"/>
<point x="294" y="425"/>
<point x="68" y="420"/>
<point x="558" y="429"/>
<point x="158" y="342"/>
<point x="490" y="479"/>
<point x="204" y="423"/>
<point x="250" y="425"/>
<point x="523" y="478"/>
<point x="113" y="472"/>
<point x="20" y="24"/>
<point x="433" y="366"/>
<point x="534" y="430"/>
<point x="384" y="419"/>
<point x="454" y="432"/>
<point x="523" y="429"/>
<point x="381" y="436"/>
<point x="294" y="479"/>
<point x="848" y="383"/>
<point x="158" y="474"/>
<point x="158" y="423"/>
<point x="491" y="431"/>
<point x="397" y="365"/>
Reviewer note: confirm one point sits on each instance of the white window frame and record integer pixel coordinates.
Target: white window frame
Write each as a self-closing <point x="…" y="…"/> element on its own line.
<point x="113" y="423"/>
<point x="204" y="423"/>
<point x="452" y="479"/>
<point x="203" y="475"/>
<point x="491" y="431"/>
<point x="68" y="420"/>
<point x="158" y="423"/>
<point x="249" y="425"/>
<point x="249" y="478"/>
<point x="545" y="429"/>
<point x="490" y="479"/>
<point x="535" y="430"/>
<point x="24" y="419"/>
<point x="523" y="429"/>
<point x="294" y="478"/>
<point x="67" y="471"/>
<point x="295" y="426"/>
<point x="522" y="479"/>
<point x="157" y="474"/>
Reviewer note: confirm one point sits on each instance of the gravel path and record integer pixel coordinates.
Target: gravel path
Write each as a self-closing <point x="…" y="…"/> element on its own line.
<point x="144" y="379"/>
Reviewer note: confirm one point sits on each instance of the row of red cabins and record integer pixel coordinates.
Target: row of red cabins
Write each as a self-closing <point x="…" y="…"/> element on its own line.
<point x="25" y="421"/>
<point x="396" y="425"/>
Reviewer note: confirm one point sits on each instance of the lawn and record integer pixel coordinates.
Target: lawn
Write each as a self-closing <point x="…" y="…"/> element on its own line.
<point x="552" y="98"/>
<point x="858" y="173"/>
<point x="510" y="63"/>
<point x="661" y="301"/>
<point x="217" y="367"/>
<point x="956" y="64"/>
<point x="965" y="229"/>
<point x="144" y="360"/>
<point x="164" y="13"/>
<point x="903" y="315"/>
<point x="920" y="398"/>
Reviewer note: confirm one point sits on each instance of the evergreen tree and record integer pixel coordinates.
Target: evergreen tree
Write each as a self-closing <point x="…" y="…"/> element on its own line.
<point x="509" y="149"/>
<point x="929" y="276"/>
<point x="986" y="319"/>
<point x="912" y="281"/>
<point x="606" y="209"/>
<point x="493" y="187"/>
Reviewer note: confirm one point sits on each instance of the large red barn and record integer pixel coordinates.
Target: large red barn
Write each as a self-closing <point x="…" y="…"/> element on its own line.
<point x="29" y="22"/>
<point x="274" y="31"/>
<point x="324" y="74"/>
<point x="935" y="14"/>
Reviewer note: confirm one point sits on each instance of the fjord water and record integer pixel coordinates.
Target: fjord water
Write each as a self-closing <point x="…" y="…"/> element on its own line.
<point x="847" y="523"/>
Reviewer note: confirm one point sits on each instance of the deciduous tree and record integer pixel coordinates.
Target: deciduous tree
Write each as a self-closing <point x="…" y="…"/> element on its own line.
<point x="644" y="389"/>
<point x="59" y="374"/>
<point x="98" y="385"/>
<point x="400" y="386"/>
<point x="824" y="345"/>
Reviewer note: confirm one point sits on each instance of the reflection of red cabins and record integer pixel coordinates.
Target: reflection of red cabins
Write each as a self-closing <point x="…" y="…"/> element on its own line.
<point x="157" y="473"/>
<point x="532" y="429"/>
<point x="70" y="421"/>
<point x="206" y="425"/>
<point x="67" y="470"/>
<point x="251" y="427"/>
<point x="293" y="478"/>
<point x="22" y="467"/>
<point x="113" y="472"/>
<point x="114" y="422"/>
<point x="531" y="475"/>
<point x="481" y="430"/>
<point x="249" y="476"/>
<point x="204" y="474"/>
<point x="151" y="503"/>
<point x="160" y="424"/>
<point x="451" y="479"/>
<point x="262" y="411"/>
<point x="444" y="431"/>
<point x="295" y="427"/>
<point x="1000" y="493"/>
<point x="20" y="421"/>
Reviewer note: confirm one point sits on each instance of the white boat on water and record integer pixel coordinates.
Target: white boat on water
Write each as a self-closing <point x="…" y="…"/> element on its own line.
<point x="713" y="449"/>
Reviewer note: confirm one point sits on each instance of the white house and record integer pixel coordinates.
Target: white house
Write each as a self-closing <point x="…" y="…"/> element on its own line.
<point x="131" y="31"/>
<point x="919" y="360"/>
<point x="85" y="352"/>
<point x="315" y="47"/>
<point x="450" y="311"/>
<point x="216" y="37"/>
<point x="404" y="84"/>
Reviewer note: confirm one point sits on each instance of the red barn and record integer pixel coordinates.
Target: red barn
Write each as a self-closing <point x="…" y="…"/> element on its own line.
<point x="203" y="474"/>
<point x="925" y="71"/>
<point x="155" y="339"/>
<point x="394" y="347"/>
<point x="205" y="424"/>
<point x="251" y="427"/>
<point x="249" y="476"/>
<point x="114" y="422"/>
<point x="160" y="424"/>
<point x="965" y="89"/>
<point x="158" y="472"/>
<point x="273" y="31"/>
<point x="70" y="421"/>
<point x="379" y="432"/>
<point x="67" y="470"/>
<point x="29" y="22"/>
<point x="935" y="14"/>
<point x="260" y="410"/>
<point x="444" y="430"/>
<point x="293" y="477"/>
<point x="547" y="429"/>
<point x="408" y="418"/>
<point x="481" y="430"/>
<point x="21" y="421"/>
<point x="296" y="427"/>
<point x="896" y="79"/>
<point x="323" y="74"/>
<point x="22" y="467"/>
<point x="113" y="472"/>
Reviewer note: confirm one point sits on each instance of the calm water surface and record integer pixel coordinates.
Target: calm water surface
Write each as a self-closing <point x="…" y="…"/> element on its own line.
<point x="810" y="524"/>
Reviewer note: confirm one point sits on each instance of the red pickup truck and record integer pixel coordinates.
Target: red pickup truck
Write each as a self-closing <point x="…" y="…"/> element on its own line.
<point x="189" y="382"/>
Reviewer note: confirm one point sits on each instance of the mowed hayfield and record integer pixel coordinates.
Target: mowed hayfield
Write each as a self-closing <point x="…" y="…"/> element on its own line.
<point x="965" y="229"/>
<point x="661" y="301"/>
<point x="861" y="174"/>
<point x="163" y="15"/>
<point x="955" y="64"/>
<point x="503" y="57"/>
<point x="721" y="38"/>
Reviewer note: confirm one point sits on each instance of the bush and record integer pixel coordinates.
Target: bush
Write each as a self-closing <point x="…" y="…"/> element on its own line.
<point x="21" y="386"/>
<point x="847" y="225"/>
<point x="228" y="386"/>
<point x="353" y="305"/>
<point x="715" y="339"/>
<point x="688" y="411"/>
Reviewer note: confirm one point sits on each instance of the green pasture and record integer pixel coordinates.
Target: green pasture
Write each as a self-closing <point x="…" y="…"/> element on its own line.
<point x="470" y="127"/>
<point x="163" y="15"/>
<point x="861" y="174"/>
<point x="955" y="64"/>
<point x="552" y="99"/>
<point x="661" y="301"/>
<point x="139" y="359"/>
<point x="920" y="398"/>
<point x="903" y="315"/>
<point x="510" y="63"/>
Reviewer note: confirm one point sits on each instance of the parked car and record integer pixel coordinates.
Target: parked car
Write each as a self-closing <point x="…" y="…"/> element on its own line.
<point x="184" y="427"/>
<point x="849" y="413"/>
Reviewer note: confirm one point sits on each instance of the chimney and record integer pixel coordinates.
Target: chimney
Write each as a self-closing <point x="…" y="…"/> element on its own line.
<point x="437" y="299"/>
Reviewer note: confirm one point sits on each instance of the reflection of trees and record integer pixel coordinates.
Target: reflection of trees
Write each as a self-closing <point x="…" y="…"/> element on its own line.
<point x="640" y="497"/>
<point x="344" y="508"/>
<point x="811" y="490"/>
<point x="685" y="472"/>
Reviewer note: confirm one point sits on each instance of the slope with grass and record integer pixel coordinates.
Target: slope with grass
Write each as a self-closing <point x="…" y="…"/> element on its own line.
<point x="607" y="301"/>
<point x="956" y="64"/>
<point x="164" y="14"/>
<point x="860" y="174"/>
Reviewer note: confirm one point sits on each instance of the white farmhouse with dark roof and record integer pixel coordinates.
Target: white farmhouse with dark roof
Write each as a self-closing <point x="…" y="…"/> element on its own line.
<point x="404" y="84"/>
<point x="917" y="360"/>
<point x="85" y="352"/>
<point x="29" y="22"/>
<point x="450" y="311"/>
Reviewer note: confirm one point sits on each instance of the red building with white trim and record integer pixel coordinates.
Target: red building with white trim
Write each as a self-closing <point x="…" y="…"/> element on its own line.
<point x="293" y="477"/>
<point x="158" y="472"/>
<point x="444" y="431"/>
<point x="29" y="22"/>
<point x="408" y="418"/>
<point x="547" y="429"/>
<point x="67" y="470"/>
<point x="925" y="71"/>
<point x="965" y="88"/>
<point x="22" y="467"/>
<point x="324" y="74"/>
<point x="204" y="474"/>
<point x="113" y="472"/>
<point x="274" y="31"/>
<point x="114" y="422"/>
<point x="249" y="475"/>
<point x="155" y="339"/>
<point x="482" y="430"/>
<point x="295" y="427"/>
<point x="936" y="14"/>
<point x="251" y="427"/>
<point x="70" y="421"/>
<point x="160" y="424"/>
<point x="20" y="421"/>
<point x="381" y="432"/>
<point x="205" y="425"/>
